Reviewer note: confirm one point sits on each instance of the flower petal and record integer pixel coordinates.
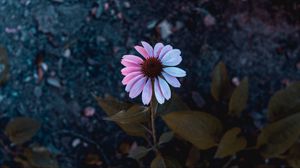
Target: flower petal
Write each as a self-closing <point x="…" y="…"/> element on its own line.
<point x="157" y="49"/>
<point x="171" y="80"/>
<point x="137" y="88"/>
<point x="165" y="89"/>
<point x="133" y="59"/>
<point x="132" y="82"/>
<point x="159" y="97"/>
<point x="174" y="71"/>
<point x="127" y="63"/>
<point x="142" y="51"/>
<point x="127" y="70"/>
<point x="130" y="76"/>
<point x="148" y="48"/>
<point x="147" y="92"/>
<point x="172" y="58"/>
<point x="164" y="50"/>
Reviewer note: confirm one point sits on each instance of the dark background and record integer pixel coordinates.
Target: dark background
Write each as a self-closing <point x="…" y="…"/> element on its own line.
<point x="80" y="43"/>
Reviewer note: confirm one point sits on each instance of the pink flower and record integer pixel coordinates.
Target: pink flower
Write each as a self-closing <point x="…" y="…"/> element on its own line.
<point x="154" y="73"/>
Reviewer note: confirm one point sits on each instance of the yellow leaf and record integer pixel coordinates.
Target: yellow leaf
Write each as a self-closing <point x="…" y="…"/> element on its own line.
<point x="239" y="98"/>
<point x="231" y="143"/>
<point x="199" y="128"/>
<point x="220" y="85"/>
<point x="21" y="129"/>
<point x="278" y="136"/>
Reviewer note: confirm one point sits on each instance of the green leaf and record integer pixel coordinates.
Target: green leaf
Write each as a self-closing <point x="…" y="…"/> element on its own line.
<point x="220" y="85"/>
<point x="40" y="157"/>
<point x="231" y="143"/>
<point x="133" y="129"/>
<point x="199" y="128"/>
<point x="135" y="114"/>
<point x="239" y="98"/>
<point x="21" y="129"/>
<point x="166" y="162"/>
<point x="277" y="137"/>
<point x="293" y="156"/>
<point x="173" y="105"/>
<point x="139" y="152"/>
<point x="4" y="65"/>
<point x="284" y="103"/>
<point x="166" y="137"/>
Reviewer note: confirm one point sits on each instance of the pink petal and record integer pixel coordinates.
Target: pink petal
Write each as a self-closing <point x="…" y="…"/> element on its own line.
<point x="130" y="76"/>
<point x="127" y="63"/>
<point x="147" y="92"/>
<point x="157" y="49"/>
<point x="159" y="97"/>
<point x="132" y="82"/>
<point x="174" y="71"/>
<point x="137" y="88"/>
<point x="142" y="51"/>
<point x="164" y="50"/>
<point x="172" y="58"/>
<point x="133" y="59"/>
<point x="148" y="48"/>
<point x="171" y="80"/>
<point x="165" y="89"/>
<point x="127" y="70"/>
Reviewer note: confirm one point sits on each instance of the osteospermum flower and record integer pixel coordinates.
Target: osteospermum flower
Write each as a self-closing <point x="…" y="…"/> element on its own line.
<point x="154" y="73"/>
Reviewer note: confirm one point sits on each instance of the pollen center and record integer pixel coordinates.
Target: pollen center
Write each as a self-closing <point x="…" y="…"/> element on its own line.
<point x="152" y="67"/>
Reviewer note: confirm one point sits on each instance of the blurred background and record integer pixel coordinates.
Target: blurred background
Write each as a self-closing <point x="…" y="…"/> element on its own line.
<point x="62" y="52"/>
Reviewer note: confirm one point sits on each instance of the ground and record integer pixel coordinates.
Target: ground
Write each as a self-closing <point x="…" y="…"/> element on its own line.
<point x="62" y="52"/>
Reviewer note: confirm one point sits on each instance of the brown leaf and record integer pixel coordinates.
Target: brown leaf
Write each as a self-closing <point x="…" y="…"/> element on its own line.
<point x="220" y="85"/>
<point x="21" y="129"/>
<point x="173" y="105"/>
<point x="199" y="128"/>
<point x="231" y="143"/>
<point x="135" y="114"/>
<point x="293" y="156"/>
<point x="239" y="98"/>
<point x="4" y="65"/>
<point x="284" y="102"/>
<point x="193" y="158"/>
<point x="278" y="136"/>
<point x="164" y="162"/>
<point x="93" y="159"/>
<point x="40" y="157"/>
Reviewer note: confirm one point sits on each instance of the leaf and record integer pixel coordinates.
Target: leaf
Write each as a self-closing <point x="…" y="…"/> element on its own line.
<point x="166" y="137"/>
<point x="40" y="157"/>
<point x="220" y="83"/>
<point x="167" y="162"/>
<point x="199" y="128"/>
<point x="173" y="105"/>
<point x="284" y="103"/>
<point x="4" y="65"/>
<point x="111" y="105"/>
<point x="193" y="158"/>
<point x="277" y="137"/>
<point x="135" y="114"/>
<point x="21" y="129"/>
<point x="231" y="143"/>
<point x="138" y="153"/>
<point x="239" y="98"/>
<point x="293" y="156"/>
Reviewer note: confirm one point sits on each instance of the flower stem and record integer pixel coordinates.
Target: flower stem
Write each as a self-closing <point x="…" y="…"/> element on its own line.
<point x="152" y="114"/>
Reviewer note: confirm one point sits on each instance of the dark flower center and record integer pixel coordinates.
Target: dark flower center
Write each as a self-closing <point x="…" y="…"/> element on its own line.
<point x="152" y="67"/>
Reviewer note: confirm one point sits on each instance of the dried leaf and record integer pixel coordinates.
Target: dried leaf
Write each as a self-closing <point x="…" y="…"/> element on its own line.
<point x="40" y="157"/>
<point x="231" y="143"/>
<point x="135" y="114"/>
<point x="173" y="105"/>
<point x="193" y="158"/>
<point x="199" y="128"/>
<point x="139" y="152"/>
<point x="4" y="65"/>
<point x="277" y="137"/>
<point x="239" y="98"/>
<point x="293" y="156"/>
<point x="284" y="103"/>
<point x="166" y="162"/>
<point x="220" y="82"/>
<point x="93" y="159"/>
<point x="166" y="137"/>
<point x="21" y="129"/>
